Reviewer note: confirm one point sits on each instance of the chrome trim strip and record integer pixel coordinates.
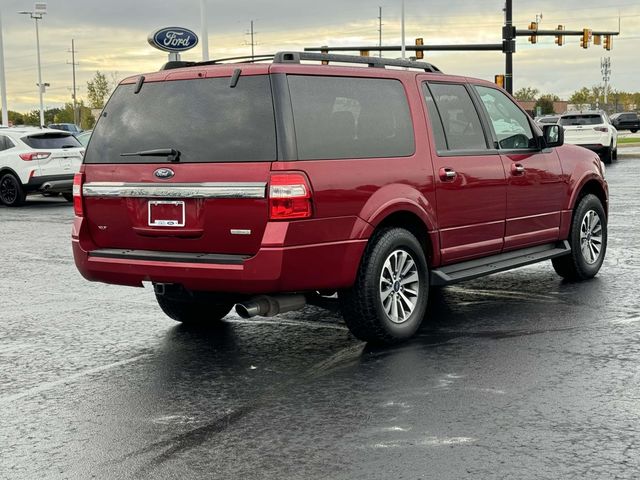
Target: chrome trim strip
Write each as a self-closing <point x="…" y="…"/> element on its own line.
<point x="175" y="190"/>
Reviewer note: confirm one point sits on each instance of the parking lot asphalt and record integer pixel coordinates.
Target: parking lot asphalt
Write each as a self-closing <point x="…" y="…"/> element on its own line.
<point x="516" y="376"/>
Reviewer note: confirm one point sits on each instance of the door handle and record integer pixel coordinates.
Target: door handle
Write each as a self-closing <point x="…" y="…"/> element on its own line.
<point x="517" y="169"/>
<point x="447" y="174"/>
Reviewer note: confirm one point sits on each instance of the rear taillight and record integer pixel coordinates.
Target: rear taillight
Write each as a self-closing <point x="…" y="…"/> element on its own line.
<point x="289" y="196"/>
<point x="78" y="179"/>
<point x="601" y="129"/>
<point x="27" y="157"/>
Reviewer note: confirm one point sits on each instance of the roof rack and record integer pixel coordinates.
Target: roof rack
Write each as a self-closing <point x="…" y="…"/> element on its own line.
<point x="297" y="57"/>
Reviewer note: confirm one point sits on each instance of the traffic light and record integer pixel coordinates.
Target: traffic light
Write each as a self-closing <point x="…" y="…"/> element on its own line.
<point x="533" y="38"/>
<point x="419" y="53"/>
<point x="597" y="39"/>
<point x="560" y="37"/>
<point x="364" y="53"/>
<point x="586" y="37"/>
<point x="499" y="80"/>
<point x="608" y="39"/>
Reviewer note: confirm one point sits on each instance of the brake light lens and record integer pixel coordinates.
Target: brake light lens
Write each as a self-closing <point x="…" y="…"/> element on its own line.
<point x="78" y="180"/>
<point x="27" y="157"/>
<point x="601" y="129"/>
<point x="289" y="196"/>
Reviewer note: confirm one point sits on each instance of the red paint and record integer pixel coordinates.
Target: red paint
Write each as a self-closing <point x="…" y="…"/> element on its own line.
<point x="488" y="206"/>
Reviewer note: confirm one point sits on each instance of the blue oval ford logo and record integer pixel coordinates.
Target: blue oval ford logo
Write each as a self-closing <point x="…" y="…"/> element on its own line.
<point x="164" y="173"/>
<point x="173" y="39"/>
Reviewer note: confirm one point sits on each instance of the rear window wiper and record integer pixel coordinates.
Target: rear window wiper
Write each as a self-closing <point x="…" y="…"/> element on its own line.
<point x="172" y="154"/>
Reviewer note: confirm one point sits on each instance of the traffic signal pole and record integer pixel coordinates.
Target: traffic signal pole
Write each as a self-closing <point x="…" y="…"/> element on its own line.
<point x="508" y="45"/>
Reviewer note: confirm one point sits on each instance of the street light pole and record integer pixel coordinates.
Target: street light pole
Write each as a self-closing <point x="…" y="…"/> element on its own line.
<point x="3" y="81"/>
<point x="38" y="16"/>
<point x="204" y="30"/>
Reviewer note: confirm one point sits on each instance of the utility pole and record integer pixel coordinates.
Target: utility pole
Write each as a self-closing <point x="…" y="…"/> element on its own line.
<point x="3" y="80"/>
<point x="380" y="30"/>
<point x="73" y="66"/>
<point x="252" y="34"/>
<point x="204" y="30"/>
<point x="605" y="68"/>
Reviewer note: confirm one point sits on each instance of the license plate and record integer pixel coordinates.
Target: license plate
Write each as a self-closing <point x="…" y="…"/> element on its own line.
<point x="166" y="213"/>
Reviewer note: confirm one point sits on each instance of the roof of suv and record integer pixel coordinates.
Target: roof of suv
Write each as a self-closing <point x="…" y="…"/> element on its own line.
<point x="290" y="62"/>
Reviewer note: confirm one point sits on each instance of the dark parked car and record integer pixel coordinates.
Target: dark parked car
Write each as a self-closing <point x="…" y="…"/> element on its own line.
<point x="271" y="185"/>
<point x="626" y="121"/>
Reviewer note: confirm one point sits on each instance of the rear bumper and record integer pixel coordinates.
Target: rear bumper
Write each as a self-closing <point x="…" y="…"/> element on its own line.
<point x="322" y="266"/>
<point x="51" y="183"/>
<point x="594" y="147"/>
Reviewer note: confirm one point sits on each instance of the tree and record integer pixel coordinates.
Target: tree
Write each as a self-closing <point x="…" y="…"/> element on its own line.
<point x="582" y="96"/>
<point x="527" y="94"/>
<point x="98" y="90"/>
<point x="545" y="103"/>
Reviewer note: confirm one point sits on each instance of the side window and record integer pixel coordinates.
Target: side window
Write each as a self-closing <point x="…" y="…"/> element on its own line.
<point x="460" y="120"/>
<point x="436" y="121"/>
<point x="510" y="124"/>
<point x="5" y="143"/>
<point x="344" y="117"/>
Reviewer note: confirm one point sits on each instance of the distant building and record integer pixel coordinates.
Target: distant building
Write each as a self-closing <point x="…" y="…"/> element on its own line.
<point x="558" y="107"/>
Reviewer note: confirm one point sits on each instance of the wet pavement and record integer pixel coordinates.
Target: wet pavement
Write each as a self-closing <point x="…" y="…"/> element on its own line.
<point x="516" y="376"/>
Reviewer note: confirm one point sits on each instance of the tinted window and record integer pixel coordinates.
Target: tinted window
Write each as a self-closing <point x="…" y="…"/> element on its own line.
<point x="436" y="122"/>
<point x="510" y="124"/>
<point x="339" y="117"/>
<point x="5" y="143"/>
<point x="460" y="119"/>
<point x="581" y="120"/>
<point x="204" y="119"/>
<point x="51" y="140"/>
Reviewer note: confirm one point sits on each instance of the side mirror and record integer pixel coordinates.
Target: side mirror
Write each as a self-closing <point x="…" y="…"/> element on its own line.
<point x="553" y="135"/>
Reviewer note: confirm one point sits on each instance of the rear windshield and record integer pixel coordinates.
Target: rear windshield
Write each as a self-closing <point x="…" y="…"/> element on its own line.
<point x="204" y="119"/>
<point x="581" y="120"/>
<point x="51" y="140"/>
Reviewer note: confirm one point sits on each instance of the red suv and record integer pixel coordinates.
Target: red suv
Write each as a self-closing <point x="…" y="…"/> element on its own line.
<point x="267" y="186"/>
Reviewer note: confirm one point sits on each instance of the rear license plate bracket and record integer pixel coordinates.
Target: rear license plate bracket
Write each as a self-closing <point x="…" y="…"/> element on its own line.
<point x="166" y="213"/>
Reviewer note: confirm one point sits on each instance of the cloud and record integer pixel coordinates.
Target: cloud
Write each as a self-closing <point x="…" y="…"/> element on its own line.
<point x="112" y="37"/>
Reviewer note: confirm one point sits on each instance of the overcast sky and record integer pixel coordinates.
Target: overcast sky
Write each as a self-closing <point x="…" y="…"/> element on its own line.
<point x="111" y="36"/>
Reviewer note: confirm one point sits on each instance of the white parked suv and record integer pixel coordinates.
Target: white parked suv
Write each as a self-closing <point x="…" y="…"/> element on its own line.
<point x="592" y="130"/>
<point x="37" y="160"/>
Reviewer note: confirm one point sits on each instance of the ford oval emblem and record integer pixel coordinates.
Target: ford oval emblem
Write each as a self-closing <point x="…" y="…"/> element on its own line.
<point x="164" y="173"/>
<point x="173" y="39"/>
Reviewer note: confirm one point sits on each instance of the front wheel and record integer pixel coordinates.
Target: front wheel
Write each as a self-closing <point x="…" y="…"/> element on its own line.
<point x="191" y="310"/>
<point x="588" y="240"/>
<point x="389" y="298"/>
<point x="11" y="192"/>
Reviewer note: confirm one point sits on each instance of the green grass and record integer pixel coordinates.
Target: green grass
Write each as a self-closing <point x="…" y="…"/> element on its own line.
<point x="623" y="141"/>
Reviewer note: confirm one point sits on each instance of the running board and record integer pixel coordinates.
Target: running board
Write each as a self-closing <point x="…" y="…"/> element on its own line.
<point x="497" y="263"/>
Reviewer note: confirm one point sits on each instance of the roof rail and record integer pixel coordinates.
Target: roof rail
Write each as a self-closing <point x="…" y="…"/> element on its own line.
<point x="296" y="57"/>
<point x="245" y="59"/>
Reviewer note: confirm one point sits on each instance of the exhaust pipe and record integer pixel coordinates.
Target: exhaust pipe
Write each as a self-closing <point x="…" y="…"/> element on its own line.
<point x="46" y="186"/>
<point x="267" y="306"/>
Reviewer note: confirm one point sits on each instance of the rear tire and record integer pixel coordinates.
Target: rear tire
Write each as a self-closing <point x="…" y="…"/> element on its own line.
<point x="388" y="301"/>
<point x="608" y="154"/>
<point x="193" y="311"/>
<point x="634" y="131"/>
<point x="11" y="192"/>
<point x="588" y="240"/>
<point x="68" y="196"/>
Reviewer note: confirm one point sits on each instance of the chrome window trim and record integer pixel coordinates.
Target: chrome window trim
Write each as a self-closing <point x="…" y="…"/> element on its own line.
<point x="175" y="190"/>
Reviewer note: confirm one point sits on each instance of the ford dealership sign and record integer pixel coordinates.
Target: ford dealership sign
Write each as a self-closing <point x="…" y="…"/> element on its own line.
<point x="173" y="39"/>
